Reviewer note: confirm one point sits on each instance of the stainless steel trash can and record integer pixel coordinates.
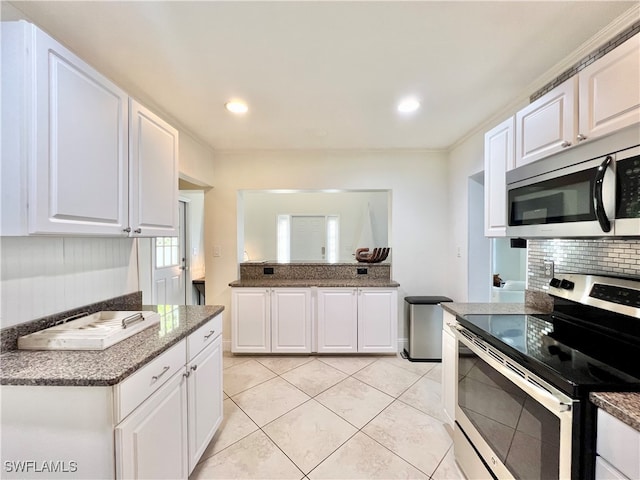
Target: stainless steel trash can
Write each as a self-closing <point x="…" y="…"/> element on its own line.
<point x="424" y="318"/>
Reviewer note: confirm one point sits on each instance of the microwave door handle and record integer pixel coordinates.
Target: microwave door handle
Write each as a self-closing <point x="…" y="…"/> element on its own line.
<point x="598" y="203"/>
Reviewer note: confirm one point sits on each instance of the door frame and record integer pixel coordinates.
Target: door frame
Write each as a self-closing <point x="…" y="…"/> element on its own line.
<point x="145" y="249"/>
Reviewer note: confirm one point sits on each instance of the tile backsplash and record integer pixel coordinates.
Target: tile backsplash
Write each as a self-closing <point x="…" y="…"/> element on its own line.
<point x="620" y="258"/>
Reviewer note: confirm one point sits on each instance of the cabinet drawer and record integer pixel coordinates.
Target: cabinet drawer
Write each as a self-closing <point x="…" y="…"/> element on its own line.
<point x="618" y="444"/>
<point x="135" y="389"/>
<point x="203" y="336"/>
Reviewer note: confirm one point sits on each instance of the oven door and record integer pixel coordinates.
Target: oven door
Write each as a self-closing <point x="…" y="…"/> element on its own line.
<point x="518" y="423"/>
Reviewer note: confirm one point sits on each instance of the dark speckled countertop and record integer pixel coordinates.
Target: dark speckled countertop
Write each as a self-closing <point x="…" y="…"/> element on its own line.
<point x="105" y="367"/>
<point x="490" y="308"/>
<point x="305" y="283"/>
<point x="625" y="406"/>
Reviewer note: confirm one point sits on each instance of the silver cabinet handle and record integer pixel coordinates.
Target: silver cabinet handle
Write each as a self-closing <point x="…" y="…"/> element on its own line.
<point x="581" y="137"/>
<point x="126" y="230"/>
<point x="565" y="144"/>
<point x="194" y="367"/>
<point x="137" y="230"/>
<point x="210" y="333"/>
<point x="186" y="375"/>
<point x="164" y="370"/>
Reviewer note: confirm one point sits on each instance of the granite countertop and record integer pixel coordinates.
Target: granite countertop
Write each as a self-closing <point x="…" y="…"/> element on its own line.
<point x="490" y="308"/>
<point x="105" y="367"/>
<point x="303" y="283"/>
<point x="625" y="406"/>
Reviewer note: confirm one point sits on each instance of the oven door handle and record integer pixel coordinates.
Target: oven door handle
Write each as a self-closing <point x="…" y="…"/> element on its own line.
<point x="539" y="394"/>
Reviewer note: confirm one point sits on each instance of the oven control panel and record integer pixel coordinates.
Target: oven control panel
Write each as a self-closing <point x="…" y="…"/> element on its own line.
<point x="619" y="295"/>
<point x="614" y="294"/>
<point x="628" y="188"/>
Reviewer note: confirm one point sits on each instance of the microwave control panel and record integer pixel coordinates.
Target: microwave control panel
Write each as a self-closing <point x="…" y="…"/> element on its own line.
<point x="628" y="187"/>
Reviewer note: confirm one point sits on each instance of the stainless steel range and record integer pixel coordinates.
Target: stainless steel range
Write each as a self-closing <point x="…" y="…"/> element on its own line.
<point x="524" y="380"/>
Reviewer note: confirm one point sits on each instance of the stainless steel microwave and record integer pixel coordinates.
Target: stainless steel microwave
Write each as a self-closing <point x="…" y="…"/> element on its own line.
<point x="569" y="196"/>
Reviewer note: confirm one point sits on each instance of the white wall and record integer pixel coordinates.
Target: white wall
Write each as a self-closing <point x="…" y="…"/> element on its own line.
<point x="195" y="225"/>
<point x="419" y="209"/>
<point x="43" y="275"/>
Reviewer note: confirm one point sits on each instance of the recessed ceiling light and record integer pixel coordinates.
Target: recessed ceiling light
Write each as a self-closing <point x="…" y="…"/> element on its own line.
<point x="408" y="105"/>
<point x="236" y="106"/>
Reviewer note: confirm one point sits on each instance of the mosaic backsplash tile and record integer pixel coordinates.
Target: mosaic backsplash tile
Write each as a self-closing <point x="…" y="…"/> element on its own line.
<point x="620" y="258"/>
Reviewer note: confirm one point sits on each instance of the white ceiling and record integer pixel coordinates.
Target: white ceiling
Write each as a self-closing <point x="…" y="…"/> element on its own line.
<point x="325" y="74"/>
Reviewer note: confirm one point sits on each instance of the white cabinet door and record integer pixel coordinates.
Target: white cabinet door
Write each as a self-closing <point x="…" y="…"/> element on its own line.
<point x="205" y="399"/>
<point x="78" y="181"/>
<point x="153" y="166"/>
<point x="498" y="158"/>
<point x="291" y="320"/>
<point x="377" y="320"/>
<point x="250" y="320"/>
<point x="449" y="375"/>
<point x="337" y="320"/>
<point x="610" y="91"/>
<point x="152" y="441"/>
<point x="547" y="125"/>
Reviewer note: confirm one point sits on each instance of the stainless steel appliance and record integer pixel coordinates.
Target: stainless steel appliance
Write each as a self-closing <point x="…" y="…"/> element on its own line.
<point x="425" y="328"/>
<point x="585" y="192"/>
<point x="523" y="407"/>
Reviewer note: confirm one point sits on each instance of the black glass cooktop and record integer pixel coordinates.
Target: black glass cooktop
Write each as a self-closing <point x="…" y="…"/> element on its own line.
<point x="575" y="359"/>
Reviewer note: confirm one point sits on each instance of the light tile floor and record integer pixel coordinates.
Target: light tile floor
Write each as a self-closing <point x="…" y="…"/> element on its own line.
<point x="330" y="417"/>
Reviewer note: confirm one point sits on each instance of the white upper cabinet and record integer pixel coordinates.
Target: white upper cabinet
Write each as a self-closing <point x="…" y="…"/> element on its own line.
<point x="498" y="158"/>
<point x="65" y="140"/>
<point x="610" y="91"/>
<point x="153" y="166"/>
<point x="68" y="167"/>
<point x="602" y="98"/>
<point x="547" y="125"/>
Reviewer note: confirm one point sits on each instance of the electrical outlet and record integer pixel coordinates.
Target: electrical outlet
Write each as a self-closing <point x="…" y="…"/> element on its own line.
<point x="548" y="269"/>
<point x="362" y="271"/>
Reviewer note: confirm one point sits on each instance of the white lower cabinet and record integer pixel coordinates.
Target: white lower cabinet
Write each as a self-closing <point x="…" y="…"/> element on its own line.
<point x="617" y="448"/>
<point x="344" y="320"/>
<point x="152" y="441"/>
<point x="377" y="320"/>
<point x="154" y="424"/>
<point x="291" y="320"/>
<point x="204" y="393"/>
<point x="337" y="320"/>
<point x="266" y="320"/>
<point x="357" y="320"/>
<point x="449" y="371"/>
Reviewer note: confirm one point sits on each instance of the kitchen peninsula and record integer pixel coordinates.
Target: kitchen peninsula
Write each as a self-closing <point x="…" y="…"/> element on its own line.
<point x="314" y="307"/>
<point x="107" y="413"/>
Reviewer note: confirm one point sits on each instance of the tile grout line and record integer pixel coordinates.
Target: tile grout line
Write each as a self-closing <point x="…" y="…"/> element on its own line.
<point x="358" y="430"/>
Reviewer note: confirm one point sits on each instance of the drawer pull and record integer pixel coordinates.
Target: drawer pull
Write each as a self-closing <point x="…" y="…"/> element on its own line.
<point x="132" y="319"/>
<point x="164" y="370"/>
<point x="210" y="333"/>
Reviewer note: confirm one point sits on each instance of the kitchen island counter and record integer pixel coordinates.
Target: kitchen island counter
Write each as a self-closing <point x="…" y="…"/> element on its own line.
<point x="105" y="367"/>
